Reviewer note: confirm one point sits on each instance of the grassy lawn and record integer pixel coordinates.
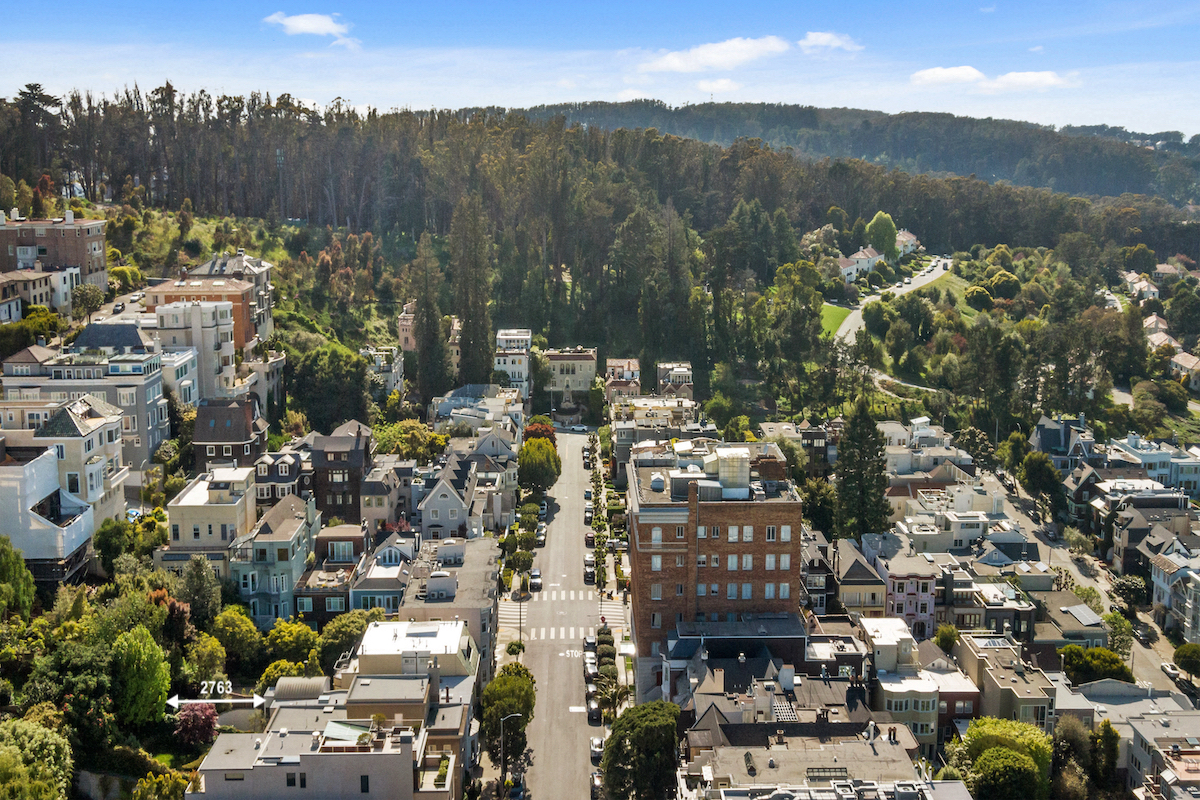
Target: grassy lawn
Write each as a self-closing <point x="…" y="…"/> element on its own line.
<point x="951" y="282"/>
<point x="831" y="318"/>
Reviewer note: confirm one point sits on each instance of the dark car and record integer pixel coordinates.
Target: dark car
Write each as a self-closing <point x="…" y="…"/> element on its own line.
<point x="589" y="539"/>
<point x="589" y="574"/>
<point x="118" y="308"/>
<point x="589" y="643"/>
<point x="587" y="463"/>
<point x="593" y="710"/>
<point x="597" y="784"/>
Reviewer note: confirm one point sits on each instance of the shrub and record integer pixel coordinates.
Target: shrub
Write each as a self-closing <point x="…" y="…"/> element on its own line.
<point x="515" y="648"/>
<point x="609" y="671"/>
<point x="197" y="724"/>
<point x="605" y="638"/>
<point x="604" y="651"/>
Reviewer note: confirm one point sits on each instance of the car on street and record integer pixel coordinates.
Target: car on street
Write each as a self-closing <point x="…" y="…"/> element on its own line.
<point x="597" y="785"/>
<point x="589" y="643"/>
<point x="589" y="574"/>
<point x="579" y="428"/>
<point x="589" y="690"/>
<point x="540" y="541"/>
<point x="589" y="539"/>
<point x="593" y="711"/>
<point x="542" y="509"/>
<point x="535" y="580"/>
<point x="133" y="298"/>
<point x="118" y="308"/>
<point x="596" y="747"/>
<point x="1171" y="670"/>
<point x="587" y="494"/>
<point x="1142" y="634"/>
<point x="589" y="560"/>
<point x="899" y="284"/>
<point x="908" y="280"/>
<point x="945" y="265"/>
<point x="587" y="463"/>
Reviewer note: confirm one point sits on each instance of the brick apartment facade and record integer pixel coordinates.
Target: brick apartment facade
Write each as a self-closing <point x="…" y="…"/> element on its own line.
<point x="63" y="242"/>
<point x="709" y="548"/>
<point x="247" y="315"/>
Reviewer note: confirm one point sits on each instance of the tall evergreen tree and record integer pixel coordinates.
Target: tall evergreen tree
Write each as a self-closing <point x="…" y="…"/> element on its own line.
<point x="432" y="371"/>
<point x="862" y="476"/>
<point x="471" y="263"/>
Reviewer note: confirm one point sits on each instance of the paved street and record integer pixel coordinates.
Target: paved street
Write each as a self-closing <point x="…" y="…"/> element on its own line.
<point x="850" y="325"/>
<point x="553" y="623"/>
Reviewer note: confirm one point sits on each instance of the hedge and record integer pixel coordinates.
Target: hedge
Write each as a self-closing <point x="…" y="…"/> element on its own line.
<point x="604" y="651"/>
<point x="609" y="671"/>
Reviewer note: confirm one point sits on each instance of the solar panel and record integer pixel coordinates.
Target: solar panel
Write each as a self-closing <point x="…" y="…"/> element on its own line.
<point x="1085" y="615"/>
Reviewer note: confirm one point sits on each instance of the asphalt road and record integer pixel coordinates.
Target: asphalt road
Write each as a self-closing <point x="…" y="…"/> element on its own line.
<point x="554" y="623"/>
<point x="850" y="325"/>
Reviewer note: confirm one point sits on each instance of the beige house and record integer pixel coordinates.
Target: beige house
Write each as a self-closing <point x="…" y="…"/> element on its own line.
<point x="205" y="518"/>
<point x="571" y="370"/>
<point x="1009" y="687"/>
<point x="905" y="691"/>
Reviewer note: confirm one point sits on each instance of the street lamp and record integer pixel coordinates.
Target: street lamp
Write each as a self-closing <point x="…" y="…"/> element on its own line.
<point x="503" y="754"/>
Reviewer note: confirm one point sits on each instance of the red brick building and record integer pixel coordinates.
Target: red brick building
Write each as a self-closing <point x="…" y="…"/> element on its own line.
<point x="65" y="242"/>
<point x="246" y="312"/>
<point x="715" y="535"/>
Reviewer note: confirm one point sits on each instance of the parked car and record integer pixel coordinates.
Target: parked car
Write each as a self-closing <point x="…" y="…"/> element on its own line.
<point x="540" y="541"/>
<point x="597" y="784"/>
<point x="589" y="560"/>
<point x="589" y="643"/>
<point x="589" y="690"/>
<point x="535" y="580"/>
<point x="587" y="463"/>
<point x="589" y="539"/>
<point x="118" y="308"/>
<point x="596" y="748"/>
<point x="587" y="517"/>
<point x="589" y="574"/>
<point x="587" y="494"/>
<point x="1142" y="634"/>
<point x="1171" y="670"/>
<point x="579" y="428"/>
<point x="593" y="710"/>
<point x="133" y="298"/>
<point x="908" y="280"/>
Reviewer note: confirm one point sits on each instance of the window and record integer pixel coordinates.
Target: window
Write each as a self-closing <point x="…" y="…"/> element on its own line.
<point x="785" y="533"/>
<point x="733" y="533"/>
<point x="964" y="706"/>
<point x="748" y="533"/>
<point x="335" y="604"/>
<point x="770" y="533"/>
<point x="303" y="780"/>
<point x="227" y="450"/>
<point x="656" y="563"/>
<point x="246" y="450"/>
<point x="679" y="560"/>
<point x="73" y="482"/>
<point x="924" y="587"/>
<point x="731" y="592"/>
<point x="225" y="531"/>
<point x="942" y="707"/>
<point x="924" y="608"/>
<point x="769" y="591"/>
<point x="701" y="532"/>
<point x="785" y="561"/>
<point x="175" y="533"/>
<point x="126" y="397"/>
<point x="679" y="590"/>
<point x="656" y="535"/>
<point x="747" y="591"/>
<point x="195" y="532"/>
<point x="656" y="620"/>
<point x="785" y="591"/>
<point x="678" y="531"/>
<point x="770" y="561"/>
<point x="656" y="591"/>
<point x="364" y="784"/>
<point x="701" y="589"/>
<point x="211" y="450"/>
<point x="714" y="589"/>
<point x="262" y="470"/>
<point x="701" y="561"/>
<point x="731" y="564"/>
<point x="433" y="513"/>
<point x="342" y="551"/>
<point x="303" y="604"/>
<point x="291" y="779"/>
<point x="747" y="562"/>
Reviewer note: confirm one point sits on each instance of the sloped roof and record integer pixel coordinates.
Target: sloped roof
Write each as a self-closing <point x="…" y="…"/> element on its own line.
<point x="114" y="336"/>
<point x="78" y="418"/>
<point x="224" y="421"/>
<point x="34" y="354"/>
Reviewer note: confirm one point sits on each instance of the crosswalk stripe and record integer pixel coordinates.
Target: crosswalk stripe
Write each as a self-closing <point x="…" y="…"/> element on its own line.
<point x="541" y="633"/>
<point x="591" y="631"/>
<point x="572" y="636"/>
<point x="562" y="633"/>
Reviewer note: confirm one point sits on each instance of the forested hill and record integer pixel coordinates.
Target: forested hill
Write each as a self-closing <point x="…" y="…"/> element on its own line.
<point x="1082" y="161"/>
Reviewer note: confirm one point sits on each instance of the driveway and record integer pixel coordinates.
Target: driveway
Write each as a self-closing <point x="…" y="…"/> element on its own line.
<point x="851" y="324"/>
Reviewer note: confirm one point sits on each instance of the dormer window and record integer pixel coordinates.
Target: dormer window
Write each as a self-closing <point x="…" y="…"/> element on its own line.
<point x="262" y="470"/>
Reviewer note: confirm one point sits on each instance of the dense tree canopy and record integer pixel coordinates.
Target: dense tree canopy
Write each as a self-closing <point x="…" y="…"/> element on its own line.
<point x="862" y="477"/>
<point x="640" y="754"/>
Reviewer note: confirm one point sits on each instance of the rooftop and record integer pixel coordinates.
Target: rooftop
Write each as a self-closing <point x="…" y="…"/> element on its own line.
<point x="226" y="482"/>
<point x="394" y="638"/>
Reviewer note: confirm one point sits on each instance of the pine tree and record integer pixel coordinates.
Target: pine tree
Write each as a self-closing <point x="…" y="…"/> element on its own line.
<point x="862" y="476"/>
<point x="470" y="259"/>
<point x="427" y="325"/>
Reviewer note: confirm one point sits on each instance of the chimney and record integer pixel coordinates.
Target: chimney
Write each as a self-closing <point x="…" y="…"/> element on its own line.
<point x="2" y="218"/>
<point x="69" y="216"/>
<point x="16" y="214"/>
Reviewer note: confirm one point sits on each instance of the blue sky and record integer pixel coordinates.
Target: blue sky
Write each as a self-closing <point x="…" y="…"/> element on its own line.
<point x="1122" y="63"/>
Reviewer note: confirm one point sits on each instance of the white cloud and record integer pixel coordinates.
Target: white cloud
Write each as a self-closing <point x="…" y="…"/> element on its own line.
<point x="936" y="76"/>
<point x="630" y="94"/>
<point x="1025" y="81"/>
<point x="718" y="86"/>
<point x="315" y="25"/>
<point x="1036" y="49"/>
<point x="824" y="41"/>
<point x="987" y="9"/>
<point x="716" y="55"/>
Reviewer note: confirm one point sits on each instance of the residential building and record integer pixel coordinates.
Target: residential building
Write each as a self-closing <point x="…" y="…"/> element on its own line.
<point x="859" y="263"/>
<point x="283" y="473"/>
<point x="860" y="589"/>
<point x="1069" y="442"/>
<point x="323" y="591"/>
<point x="1155" y="324"/>
<point x="212" y="511"/>
<point x="911" y="580"/>
<point x="180" y="371"/>
<point x="388" y="364"/>
<point x="1009" y="688"/>
<point x="50" y="527"/>
<point x="407" y="324"/>
<point x="1063" y="620"/>
<point x="267" y="563"/>
<point x="64" y="242"/>
<point x="207" y="328"/>
<point x="906" y="242"/>
<point x="340" y="461"/>
<point x="820" y="578"/>
<point x="711" y="536"/>
<point x="1081" y="486"/>
<point x="643" y="421"/>
<point x="512" y="357"/>
<point x="252" y="270"/>
<point x="229" y="432"/>
<point x="380" y="497"/>
<point x="1166" y="273"/>
<point x="952" y="519"/>
<point x="35" y="289"/>
<point x="454" y="344"/>
<point x="116" y="363"/>
<point x="1161" y="758"/>
<point x="85" y="435"/>
<point x="675" y="379"/>
<point x="958" y="697"/>
<point x="252" y="323"/>
<point x="10" y="298"/>
<point x="571" y="370"/>
<point x="622" y="378"/>
<point x="902" y="687"/>
<point x="480" y="406"/>
<point x="382" y="575"/>
<point x="1186" y="367"/>
<point x="1156" y="340"/>
<point x="1140" y="518"/>
<point x="980" y="597"/>
<point x="819" y="447"/>
<point x="444" y="510"/>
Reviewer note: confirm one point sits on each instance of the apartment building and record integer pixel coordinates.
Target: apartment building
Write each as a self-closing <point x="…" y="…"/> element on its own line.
<point x="903" y="688"/>
<point x="911" y="580"/>
<point x="385" y="364"/>
<point x="1171" y="466"/>
<point x="860" y="589"/>
<point x="229" y="432"/>
<point x="1162" y="754"/>
<point x="11" y="306"/>
<point x="323" y="591"/>
<point x="251" y="323"/>
<point x="246" y="268"/>
<point x="714" y="533"/>
<point x="340" y="462"/>
<point x="634" y="420"/>
<point x="956" y="517"/>
<point x="209" y="515"/>
<point x="513" y="346"/>
<point x="119" y="364"/>
<point x="267" y="563"/>
<point x="622" y="378"/>
<point x="207" y="328"/>
<point x="51" y="528"/>
<point x="283" y="473"/>
<point x="180" y="371"/>
<point x="64" y="242"/>
<point x="1009" y="687"/>
<point x="444" y="509"/>
<point x="1069" y="442"/>
<point x="571" y="370"/>
<point x="815" y="440"/>
<point x="85" y="435"/>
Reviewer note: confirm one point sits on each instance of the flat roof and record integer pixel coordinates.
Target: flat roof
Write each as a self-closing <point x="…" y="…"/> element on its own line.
<point x="393" y="638"/>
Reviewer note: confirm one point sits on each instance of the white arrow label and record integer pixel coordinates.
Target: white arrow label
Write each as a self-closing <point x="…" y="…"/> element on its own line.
<point x="257" y="700"/>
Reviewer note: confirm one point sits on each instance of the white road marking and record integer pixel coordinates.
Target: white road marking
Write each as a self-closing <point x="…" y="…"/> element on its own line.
<point x="591" y="631"/>
<point x="562" y="632"/>
<point x="572" y="594"/>
<point x="572" y="636"/>
<point x="541" y="633"/>
<point x="577" y="709"/>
